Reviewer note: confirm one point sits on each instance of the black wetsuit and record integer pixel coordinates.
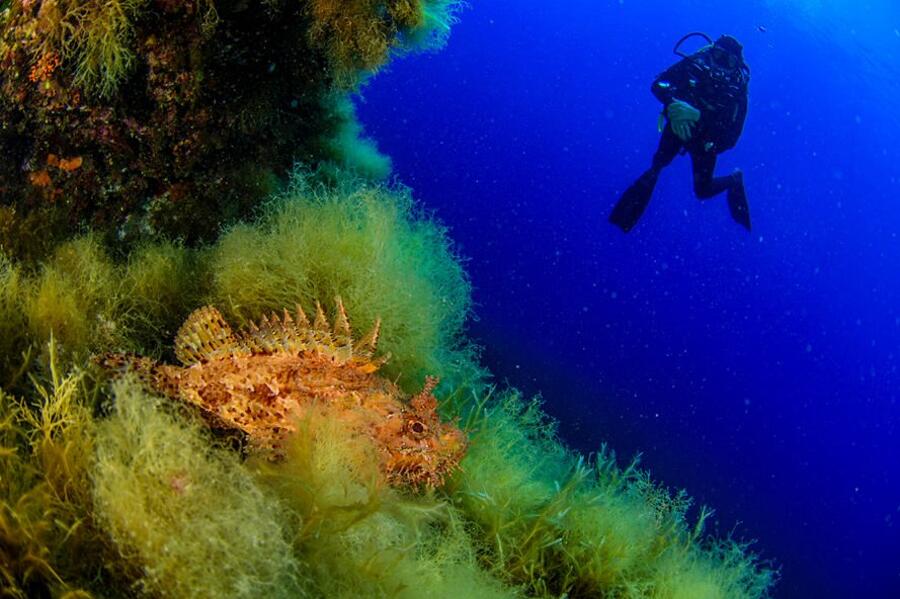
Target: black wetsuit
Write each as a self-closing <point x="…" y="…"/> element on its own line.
<point x="721" y="96"/>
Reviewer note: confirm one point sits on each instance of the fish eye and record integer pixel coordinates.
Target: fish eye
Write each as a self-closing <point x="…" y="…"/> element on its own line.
<point x="417" y="428"/>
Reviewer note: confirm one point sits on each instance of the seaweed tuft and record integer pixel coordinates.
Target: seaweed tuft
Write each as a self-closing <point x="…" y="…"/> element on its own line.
<point x="362" y="538"/>
<point x="562" y="525"/>
<point x="368" y="244"/>
<point x="48" y="543"/>
<point x="183" y="512"/>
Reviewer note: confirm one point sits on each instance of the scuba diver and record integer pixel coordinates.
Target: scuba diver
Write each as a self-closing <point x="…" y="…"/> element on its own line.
<point x="704" y="100"/>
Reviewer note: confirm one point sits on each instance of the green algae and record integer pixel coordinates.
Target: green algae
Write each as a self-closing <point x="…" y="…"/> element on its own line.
<point x="184" y="513"/>
<point x="384" y="543"/>
<point x="90" y="303"/>
<point x="371" y="246"/>
<point x="127" y="496"/>
<point x="563" y="525"/>
<point x="367" y="243"/>
<point x="48" y="543"/>
<point x="348" y="149"/>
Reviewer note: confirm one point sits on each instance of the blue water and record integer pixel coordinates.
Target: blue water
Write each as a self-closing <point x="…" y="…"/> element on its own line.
<point x="759" y="371"/>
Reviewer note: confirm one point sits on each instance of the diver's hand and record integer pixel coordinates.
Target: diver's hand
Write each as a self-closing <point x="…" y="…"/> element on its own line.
<point x="682" y="118"/>
<point x="682" y="130"/>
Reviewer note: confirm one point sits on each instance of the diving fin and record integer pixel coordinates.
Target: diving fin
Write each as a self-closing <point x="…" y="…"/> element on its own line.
<point x="631" y="205"/>
<point x="737" y="202"/>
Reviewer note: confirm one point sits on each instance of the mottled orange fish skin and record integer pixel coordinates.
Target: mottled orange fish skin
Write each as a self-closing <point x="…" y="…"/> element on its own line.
<point x="262" y="395"/>
<point x="262" y="381"/>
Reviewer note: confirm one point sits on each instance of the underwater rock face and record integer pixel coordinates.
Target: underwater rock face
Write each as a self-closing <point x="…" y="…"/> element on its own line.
<point x="149" y="118"/>
<point x="141" y="118"/>
<point x="263" y="380"/>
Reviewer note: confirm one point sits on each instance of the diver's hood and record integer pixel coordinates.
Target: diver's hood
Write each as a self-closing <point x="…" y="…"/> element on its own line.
<point x="730" y="45"/>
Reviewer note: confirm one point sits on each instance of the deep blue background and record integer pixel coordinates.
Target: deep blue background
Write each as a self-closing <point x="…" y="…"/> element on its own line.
<point x="759" y="371"/>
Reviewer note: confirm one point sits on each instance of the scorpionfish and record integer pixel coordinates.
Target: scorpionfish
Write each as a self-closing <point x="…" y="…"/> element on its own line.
<point x="261" y="379"/>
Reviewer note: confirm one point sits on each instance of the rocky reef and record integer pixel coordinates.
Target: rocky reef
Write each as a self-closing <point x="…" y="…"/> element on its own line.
<point x="148" y="118"/>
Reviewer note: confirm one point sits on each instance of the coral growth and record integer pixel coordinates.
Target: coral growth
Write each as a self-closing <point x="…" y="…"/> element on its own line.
<point x="262" y="380"/>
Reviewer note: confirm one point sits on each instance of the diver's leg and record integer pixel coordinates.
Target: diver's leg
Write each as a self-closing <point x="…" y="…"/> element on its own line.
<point x="634" y="200"/>
<point x="706" y="186"/>
<point x="667" y="150"/>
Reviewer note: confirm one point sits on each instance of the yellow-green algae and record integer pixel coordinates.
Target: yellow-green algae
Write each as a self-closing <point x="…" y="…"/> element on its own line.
<point x="127" y="496"/>
<point x="563" y="525"/>
<point x="186" y="513"/>
<point x="367" y="243"/>
<point x="371" y="246"/>
<point x="164" y="507"/>
<point x="48" y="541"/>
<point x="90" y="303"/>
<point x="359" y="35"/>
<point x="95" y="38"/>
<point x="384" y="543"/>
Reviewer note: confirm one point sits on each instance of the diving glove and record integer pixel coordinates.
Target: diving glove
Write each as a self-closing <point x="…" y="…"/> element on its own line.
<point x="682" y="118"/>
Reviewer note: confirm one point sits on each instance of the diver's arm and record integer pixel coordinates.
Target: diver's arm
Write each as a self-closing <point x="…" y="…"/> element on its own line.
<point x="670" y="82"/>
